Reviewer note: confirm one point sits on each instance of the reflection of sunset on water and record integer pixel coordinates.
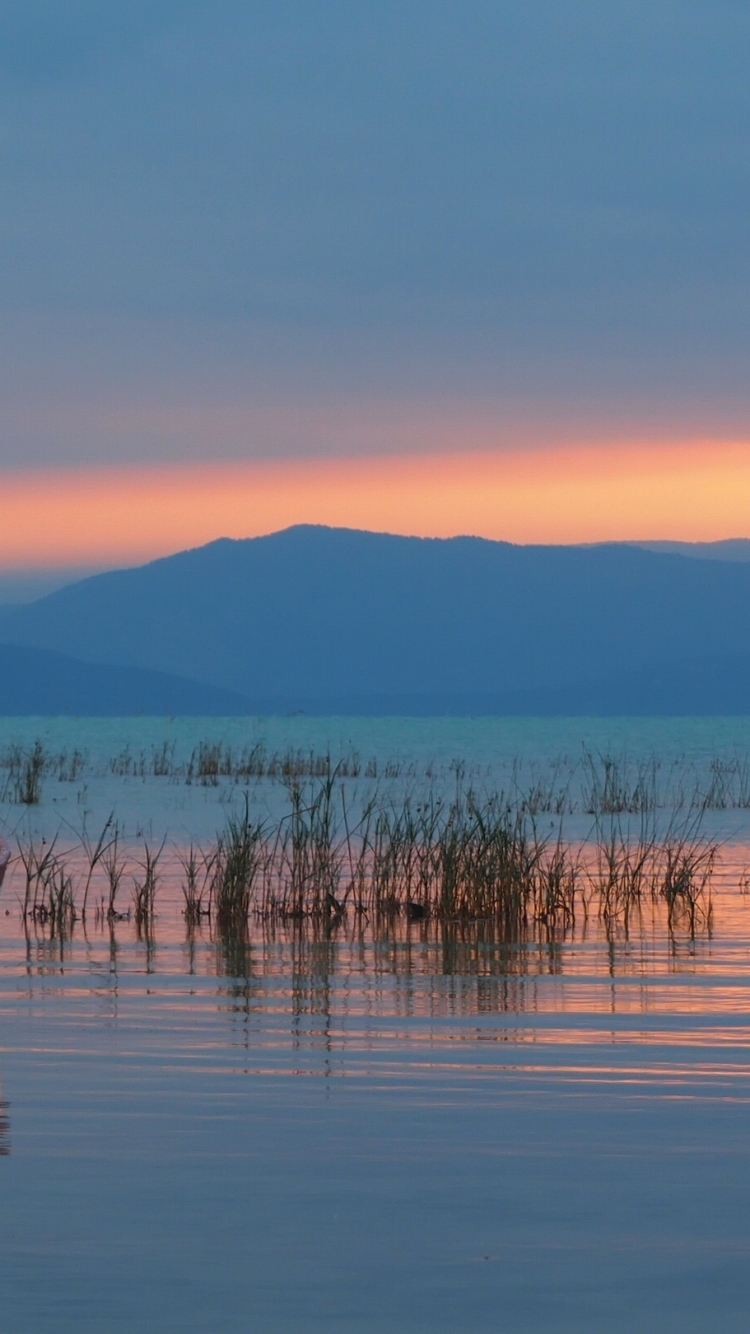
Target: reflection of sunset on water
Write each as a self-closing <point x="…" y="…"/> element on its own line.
<point x="415" y="997"/>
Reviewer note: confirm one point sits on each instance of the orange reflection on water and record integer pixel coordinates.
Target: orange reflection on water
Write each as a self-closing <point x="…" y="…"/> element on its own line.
<point x="425" y="969"/>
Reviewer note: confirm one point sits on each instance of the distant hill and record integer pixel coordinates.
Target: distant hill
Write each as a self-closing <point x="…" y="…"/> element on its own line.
<point x="333" y="620"/>
<point x="730" y="548"/>
<point x="36" y="681"/>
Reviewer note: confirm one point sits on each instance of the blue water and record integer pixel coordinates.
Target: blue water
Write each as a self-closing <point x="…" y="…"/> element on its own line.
<point x="153" y="1198"/>
<point x="409" y="754"/>
<point x="480" y="741"/>
<point x="413" y="1132"/>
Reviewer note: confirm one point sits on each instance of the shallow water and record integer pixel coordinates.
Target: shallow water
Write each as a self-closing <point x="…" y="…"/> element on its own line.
<point x="139" y="767"/>
<point x="421" y="1128"/>
<point x="432" y="1130"/>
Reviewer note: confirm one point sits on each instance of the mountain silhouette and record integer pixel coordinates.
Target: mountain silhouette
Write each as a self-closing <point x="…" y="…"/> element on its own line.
<point x="340" y="621"/>
<point x="37" y="681"/>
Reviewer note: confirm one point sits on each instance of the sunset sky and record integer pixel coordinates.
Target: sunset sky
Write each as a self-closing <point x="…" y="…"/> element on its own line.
<point x="433" y="268"/>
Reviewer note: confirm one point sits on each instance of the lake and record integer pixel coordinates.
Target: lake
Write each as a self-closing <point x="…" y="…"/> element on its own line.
<point x="387" y="1126"/>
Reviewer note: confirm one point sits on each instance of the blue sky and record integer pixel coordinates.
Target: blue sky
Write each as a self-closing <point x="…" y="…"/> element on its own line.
<point x="539" y="207"/>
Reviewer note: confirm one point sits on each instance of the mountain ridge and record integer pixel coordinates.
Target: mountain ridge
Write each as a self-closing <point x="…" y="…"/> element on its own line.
<point x="42" y="682"/>
<point x="317" y="618"/>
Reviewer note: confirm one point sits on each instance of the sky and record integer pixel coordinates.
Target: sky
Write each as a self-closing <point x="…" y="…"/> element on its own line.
<point x="438" y="267"/>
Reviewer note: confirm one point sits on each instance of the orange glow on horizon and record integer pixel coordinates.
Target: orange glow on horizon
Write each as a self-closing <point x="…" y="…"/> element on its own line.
<point x="699" y="491"/>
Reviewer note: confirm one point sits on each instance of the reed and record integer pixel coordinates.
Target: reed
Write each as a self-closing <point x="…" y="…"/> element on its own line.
<point x="162" y="759"/>
<point x="25" y="773"/>
<point x="309" y="853"/>
<point x="728" y="785"/>
<point x="144" y="888"/>
<point x="687" y="864"/>
<point x="458" y="860"/>
<point x="49" y="895"/>
<point x="416" y="857"/>
<point x="609" y="789"/>
<point x="67" y="768"/>
<point x="198" y="879"/>
<point x="38" y="861"/>
<point x="674" y="867"/>
<point x="207" y="762"/>
<point x="622" y="873"/>
<point x="94" y="853"/>
<point x="548" y="794"/>
<point x="598" y="783"/>
<point x="61" y="899"/>
<point x="475" y="859"/>
<point x="113" y="861"/>
<point x="236" y="869"/>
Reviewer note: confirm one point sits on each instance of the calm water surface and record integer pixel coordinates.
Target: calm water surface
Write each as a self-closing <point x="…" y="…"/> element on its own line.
<point x="422" y="1129"/>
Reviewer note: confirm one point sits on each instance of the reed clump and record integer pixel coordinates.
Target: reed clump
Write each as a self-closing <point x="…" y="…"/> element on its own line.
<point x="144" y="888"/>
<point x="421" y="857"/>
<point x="307" y="856"/>
<point x="458" y="860"/>
<point x="114" y="864"/>
<point x="600" y="784"/>
<point x="95" y="853"/>
<point x="26" y="769"/>
<point x="197" y="885"/>
<point x="471" y="858"/>
<point x="728" y="786"/>
<point x="466" y="859"/>
<point x="236" y="867"/>
<point x="609" y="788"/>
<point x="49" y="896"/>
<point x="633" y="867"/>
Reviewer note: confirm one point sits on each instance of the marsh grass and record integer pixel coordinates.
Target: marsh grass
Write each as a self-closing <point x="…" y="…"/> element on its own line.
<point x="144" y="888"/>
<point x="114" y="864"/>
<point x="420" y="856"/>
<point x="593" y="782"/>
<point x="211" y="761"/>
<point x="464" y="859"/>
<point x="67" y="768"/>
<point x="610" y="789"/>
<point x="307" y="862"/>
<point x="631" y="867"/>
<point x="469" y="859"/>
<point x="729" y="784"/>
<point x="197" y="885"/>
<point x="207" y="763"/>
<point x="235" y="870"/>
<point x="61" y="899"/>
<point x="687" y="867"/>
<point x="94" y="854"/>
<point x="26" y="770"/>
<point x="546" y="794"/>
<point x="49" y="896"/>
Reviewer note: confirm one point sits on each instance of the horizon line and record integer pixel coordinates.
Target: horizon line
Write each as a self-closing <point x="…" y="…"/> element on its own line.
<point x="696" y="492"/>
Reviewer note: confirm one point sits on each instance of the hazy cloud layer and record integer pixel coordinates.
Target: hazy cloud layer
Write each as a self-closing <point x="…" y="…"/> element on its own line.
<point x="253" y="206"/>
